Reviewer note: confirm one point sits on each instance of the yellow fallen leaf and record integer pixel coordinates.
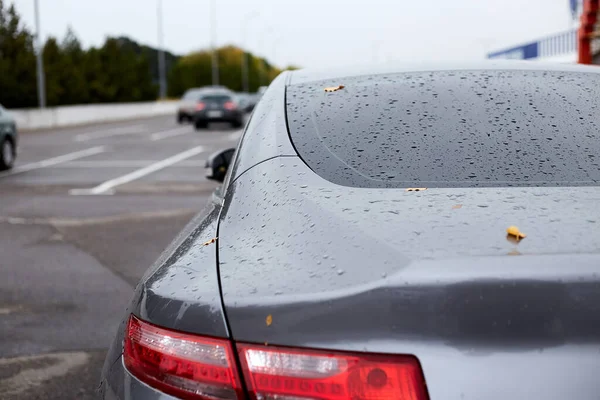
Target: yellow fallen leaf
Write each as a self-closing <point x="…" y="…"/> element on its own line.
<point x="334" y="88"/>
<point x="211" y="241"/>
<point x="415" y="189"/>
<point x="514" y="232"/>
<point x="457" y="206"/>
<point x="269" y="320"/>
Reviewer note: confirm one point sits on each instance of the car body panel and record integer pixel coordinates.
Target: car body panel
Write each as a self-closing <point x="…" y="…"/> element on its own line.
<point x="8" y="127"/>
<point x="265" y="136"/>
<point x="181" y="291"/>
<point x="334" y="270"/>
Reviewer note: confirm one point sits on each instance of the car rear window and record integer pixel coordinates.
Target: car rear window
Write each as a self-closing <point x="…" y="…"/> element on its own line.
<point x="191" y="95"/>
<point x="216" y="98"/>
<point x="450" y="129"/>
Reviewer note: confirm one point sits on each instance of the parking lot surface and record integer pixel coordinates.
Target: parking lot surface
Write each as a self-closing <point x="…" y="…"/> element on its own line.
<point x="83" y="214"/>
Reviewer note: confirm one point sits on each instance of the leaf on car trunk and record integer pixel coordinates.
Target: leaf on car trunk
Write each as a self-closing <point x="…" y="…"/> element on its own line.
<point x="211" y="241"/>
<point x="334" y="88"/>
<point x="514" y="233"/>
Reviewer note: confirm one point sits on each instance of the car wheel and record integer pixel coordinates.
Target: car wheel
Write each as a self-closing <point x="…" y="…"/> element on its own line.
<point x="7" y="155"/>
<point x="237" y="124"/>
<point x="181" y="119"/>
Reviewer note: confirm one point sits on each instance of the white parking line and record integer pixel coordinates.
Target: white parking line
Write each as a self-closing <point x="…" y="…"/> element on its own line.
<point x="122" y="130"/>
<point x="170" y="133"/>
<point x="124" y="164"/>
<point x="108" y="186"/>
<point x="54" y="161"/>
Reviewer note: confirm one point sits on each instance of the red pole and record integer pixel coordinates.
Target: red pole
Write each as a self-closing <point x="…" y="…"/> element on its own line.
<point x="588" y="21"/>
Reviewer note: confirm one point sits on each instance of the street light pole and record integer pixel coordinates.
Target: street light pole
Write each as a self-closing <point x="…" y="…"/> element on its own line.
<point x="161" y="54"/>
<point x="215" y="59"/>
<point x="41" y="84"/>
<point x="245" y="68"/>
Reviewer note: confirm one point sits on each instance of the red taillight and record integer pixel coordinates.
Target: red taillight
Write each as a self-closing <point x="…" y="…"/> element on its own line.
<point x="195" y="367"/>
<point x="200" y="106"/>
<point x="186" y="366"/>
<point x="229" y="105"/>
<point x="279" y="373"/>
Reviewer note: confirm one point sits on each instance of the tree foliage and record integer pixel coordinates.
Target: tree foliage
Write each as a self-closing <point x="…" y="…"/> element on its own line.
<point x="195" y="70"/>
<point x="121" y="70"/>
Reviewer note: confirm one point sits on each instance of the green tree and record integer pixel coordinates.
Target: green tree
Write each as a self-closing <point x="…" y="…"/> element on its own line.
<point x="73" y="81"/>
<point x="18" y="87"/>
<point x="195" y="70"/>
<point x="54" y="64"/>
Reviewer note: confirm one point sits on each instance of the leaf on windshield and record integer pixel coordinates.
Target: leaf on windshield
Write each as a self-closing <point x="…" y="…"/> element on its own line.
<point x="334" y="88"/>
<point x="211" y="241"/>
<point x="456" y="206"/>
<point x="269" y="320"/>
<point x="415" y="189"/>
<point x="514" y="233"/>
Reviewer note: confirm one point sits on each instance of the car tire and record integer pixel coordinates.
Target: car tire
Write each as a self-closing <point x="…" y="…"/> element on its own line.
<point x="182" y="118"/>
<point x="237" y="124"/>
<point x="7" y="154"/>
<point x="200" y="125"/>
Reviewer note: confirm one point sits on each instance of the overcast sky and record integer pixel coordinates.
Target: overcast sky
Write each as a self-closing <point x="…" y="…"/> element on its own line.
<point x="315" y="33"/>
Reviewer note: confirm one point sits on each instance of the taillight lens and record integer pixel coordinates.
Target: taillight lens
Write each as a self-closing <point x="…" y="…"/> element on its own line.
<point x="195" y="367"/>
<point x="273" y="373"/>
<point x="200" y="106"/>
<point x="186" y="366"/>
<point x="229" y="105"/>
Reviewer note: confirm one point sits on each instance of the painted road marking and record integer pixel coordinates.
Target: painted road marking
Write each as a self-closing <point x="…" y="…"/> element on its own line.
<point x="170" y="133"/>
<point x="108" y="186"/>
<point x="54" y="161"/>
<point x="125" y="164"/>
<point x="123" y="130"/>
<point x="38" y="369"/>
<point x="75" y="222"/>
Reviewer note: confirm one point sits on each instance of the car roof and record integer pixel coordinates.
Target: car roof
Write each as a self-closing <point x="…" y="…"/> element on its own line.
<point x="318" y="74"/>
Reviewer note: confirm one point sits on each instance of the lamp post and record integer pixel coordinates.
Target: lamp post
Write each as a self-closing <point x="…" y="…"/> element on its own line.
<point x="213" y="34"/>
<point x="245" y="68"/>
<point x="161" y="54"/>
<point x="41" y="81"/>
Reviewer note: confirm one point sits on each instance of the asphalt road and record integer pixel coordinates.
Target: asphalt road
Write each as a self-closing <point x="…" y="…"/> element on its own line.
<point x="82" y="215"/>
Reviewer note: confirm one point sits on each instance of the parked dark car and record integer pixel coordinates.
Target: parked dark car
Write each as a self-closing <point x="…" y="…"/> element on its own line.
<point x="386" y="233"/>
<point x="218" y="107"/>
<point x="8" y="140"/>
<point x="189" y="100"/>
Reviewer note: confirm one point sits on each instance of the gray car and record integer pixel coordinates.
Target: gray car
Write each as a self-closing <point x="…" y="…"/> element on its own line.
<point x="8" y="139"/>
<point x="386" y="233"/>
<point x="189" y="101"/>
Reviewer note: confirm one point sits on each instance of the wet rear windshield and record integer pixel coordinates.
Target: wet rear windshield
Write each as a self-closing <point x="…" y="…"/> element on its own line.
<point x="450" y="129"/>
